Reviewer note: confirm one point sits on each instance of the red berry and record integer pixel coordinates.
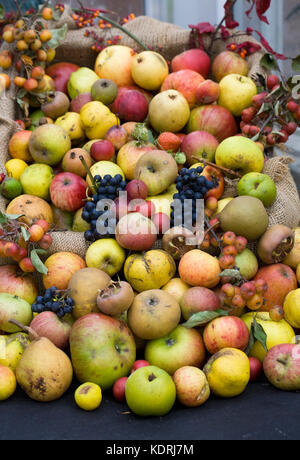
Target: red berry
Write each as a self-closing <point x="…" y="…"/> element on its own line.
<point x="271" y="139"/>
<point x="291" y="127"/>
<point x="284" y="138"/>
<point x="272" y="80"/>
<point x="240" y="244"/>
<point x="292" y="106"/>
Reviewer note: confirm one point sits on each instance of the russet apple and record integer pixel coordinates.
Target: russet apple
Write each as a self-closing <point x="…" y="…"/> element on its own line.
<point x="136" y="232"/>
<point x="129" y="154"/>
<point x="214" y="119"/>
<point x="194" y="59"/>
<point x="198" y="145"/>
<point x="282" y="366"/>
<point x="236" y="93"/>
<point x="115" y="63"/>
<point x="198" y="299"/>
<point x="186" y="82"/>
<point x="169" y="111"/>
<point x="67" y="191"/>
<point x="224" y="332"/>
<point x="197" y="268"/>
<point x="71" y="161"/>
<point x="227" y="63"/>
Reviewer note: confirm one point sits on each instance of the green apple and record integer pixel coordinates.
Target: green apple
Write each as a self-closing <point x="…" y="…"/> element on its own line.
<point x="79" y="225"/>
<point x="81" y="81"/>
<point x="260" y="186"/>
<point x="107" y="255"/>
<point x="181" y="347"/>
<point x="35" y="118"/>
<point x="48" y="144"/>
<point x="240" y="154"/>
<point x="247" y="262"/>
<point x="150" y="391"/>
<point x="36" y="180"/>
<point x="236" y="93"/>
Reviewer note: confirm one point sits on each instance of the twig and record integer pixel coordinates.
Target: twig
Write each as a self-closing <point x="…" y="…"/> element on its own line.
<point x="219" y="26"/>
<point x="221" y="168"/>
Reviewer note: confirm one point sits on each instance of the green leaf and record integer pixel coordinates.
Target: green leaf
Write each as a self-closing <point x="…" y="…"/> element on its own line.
<point x="58" y="36"/>
<point x="259" y="333"/>
<point x="41" y="251"/>
<point x="37" y="263"/>
<point x="276" y="108"/>
<point x="150" y="137"/>
<point x="250" y="343"/>
<point x="296" y="64"/>
<point x="8" y="216"/>
<point x="2" y="11"/>
<point x="256" y="137"/>
<point x="268" y="62"/>
<point x="203" y="317"/>
<point x="25" y="233"/>
<point x="3" y="218"/>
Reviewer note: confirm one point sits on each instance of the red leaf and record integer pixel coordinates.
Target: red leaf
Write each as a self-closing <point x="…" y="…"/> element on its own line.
<point x="225" y="33"/>
<point x="203" y="28"/>
<point x="261" y="7"/>
<point x="264" y="42"/>
<point x="251" y="8"/>
<point x="229" y="19"/>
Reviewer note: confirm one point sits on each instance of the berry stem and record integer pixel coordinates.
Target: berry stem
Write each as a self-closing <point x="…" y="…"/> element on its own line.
<point x="221" y="168"/>
<point x="81" y="158"/>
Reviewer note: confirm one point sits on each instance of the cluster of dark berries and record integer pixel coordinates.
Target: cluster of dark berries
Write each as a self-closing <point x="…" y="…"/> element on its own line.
<point x="108" y="189"/>
<point x="191" y="186"/>
<point x="54" y="300"/>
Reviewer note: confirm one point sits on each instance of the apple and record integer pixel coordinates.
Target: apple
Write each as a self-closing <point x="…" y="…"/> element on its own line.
<point x="197" y="268"/>
<point x="176" y="287"/>
<point x="255" y="369"/>
<point x="129" y="155"/>
<point x="102" y="349"/>
<point x="214" y="119"/>
<point x="117" y="135"/>
<point x="81" y="81"/>
<point x="48" y="144"/>
<point x="161" y="222"/>
<point x="114" y="107"/>
<point x="168" y="111"/>
<point x="149" y="69"/>
<point x="136" y="232"/>
<point x="150" y="391"/>
<point x="71" y="161"/>
<point x="136" y="188"/>
<point x="8" y="383"/>
<point x="138" y="364"/>
<point x="115" y="63"/>
<point x="180" y="347"/>
<point x="104" y="90"/>
<point x="198" y="145"/>
<point x="60" y="73"/>
<point x="61" y="266"/>
<point x="18" y="145"/>
<point x="240" y="153"/>
<point x="192" y="387"/>
<point x="207" y="92"/>
<point x="132" y="106"/>
<point x="67" y="191"/>
<point x="47" y="324"/>
<point x="146" y="208"/>
<point x="55" y="106"/>
<point x="185" y="81"/>
<point x="282" y="366"/>
<point x="102" y="150"/>
<point x="194" y="59"/>
<point x="157" y="169"/>
<point x="260" y="186"/>
<point x="281" y="280"/>
<point x="19" y="284"/>
<point x="247" y="263"/>
<point x="107" y="255"/>
<point x="225" y="332"/>
<point x="227" y="63"/>
<point x="119" y="389"/>
<point x="236" y="93"/>
<point x="216" y="176"/>
<point x="79" y="101"/>
<point x="121" y="206"/>
<point x="198" y="299"/>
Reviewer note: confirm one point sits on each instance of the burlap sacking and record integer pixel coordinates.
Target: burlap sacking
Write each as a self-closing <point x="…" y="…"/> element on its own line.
<point x="169" y="40"/>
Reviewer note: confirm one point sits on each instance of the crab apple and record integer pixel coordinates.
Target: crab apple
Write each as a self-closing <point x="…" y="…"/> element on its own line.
<point x="22" y="252"/>
<point x="26" y="265"/>
<point x="30" y="84"/>
<point x="136" y="189"/>
<point x="284" y="136"/>
<point x="36" y="233"/>
<point x="271" y="139"/>
<point x="261" y="286"/>
<point x="226" y="262"/>
<point x="291" y="127"/>
<point x="11" y="249"/>
<point x="248" y="114"/>
<point x="255" y="369"/>
<point x="46" y="241"/>
<point x="37" y="72"/>
<point x="256" y="302"/>
<point x="259" y="99"/>
<point x="240" y="244"/>
<point x="161" y="222"/>
<point x="248" y="290"/>
<point x="276" y="313"/>
<point x="47" y="14"/>
<point x="139" y="363"/>
<point x="272" y="81"/>
<point x="228" y="290"/>
<point x="292" y="106"/>
<point x="44" y="224"/>
<point x="230" y="251"/>
<point x="229" y="238"/>
<point x="119" y="389"/>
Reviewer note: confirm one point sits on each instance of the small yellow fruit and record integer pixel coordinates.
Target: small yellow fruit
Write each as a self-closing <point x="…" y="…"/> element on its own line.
<point x="228" y="372"/>
<point x="8" y="382"/>
<point x="88" y="396"/>
<point x="291" y="308"/>
<point x="15" y="167"/>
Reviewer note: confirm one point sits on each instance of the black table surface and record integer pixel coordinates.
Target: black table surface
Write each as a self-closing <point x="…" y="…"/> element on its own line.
<point x="262" y="412"/>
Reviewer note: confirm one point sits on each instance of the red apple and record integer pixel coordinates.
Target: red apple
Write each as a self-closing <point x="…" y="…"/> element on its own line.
<point x="136" y="232"/>
<point x="224" y="332"/>
<point x="132" y="106"/>
<point x="102" y="150"/>
<point x="139" y="363"/>
<point x="136" y="189"/>
<point x="60" y="73"/>
<point x="79" y="101"/>
<point x="114" y="107"/>
<point x="282" y="366"/>
<point x="227" y="63"/>
<point x="119" y="389"/>
<point x="117" y="135"/>
<point x="67" y="191"/>
<point x="214" y="119"/>
<point x="197" y="145"/>
<point x="47" y="324"/>
<point x="186" y="82"/>
<point x="121" y="206"/>
<point x="198" y="299"/>
<point x="15" y="283"/>
<point x="281" y="279"/>
<point x="207" y="92"/>
<point x="162" y="222"/>
<point x="255" y="369"/>
<point x="146" y="208"/>
<point x="193" y="59"/>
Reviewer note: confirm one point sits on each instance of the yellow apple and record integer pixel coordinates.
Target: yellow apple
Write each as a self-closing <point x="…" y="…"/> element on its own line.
<point x="176" y="287"/>
<point x="104" y="167"/>
<point x="236" y="93"/>
<point x="96" y="119"/>
<point x="107" y="255"/>
<point x="240" y="153"/>
<point x="163" y="201"/>
<point x="169" y="111"/>
<point x="71" y="123"/>
<point x="115" y="62"/>
<point x="149" y="69"/>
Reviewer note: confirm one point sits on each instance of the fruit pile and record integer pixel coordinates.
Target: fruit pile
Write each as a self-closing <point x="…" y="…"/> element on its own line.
<point x="170" y="299"/>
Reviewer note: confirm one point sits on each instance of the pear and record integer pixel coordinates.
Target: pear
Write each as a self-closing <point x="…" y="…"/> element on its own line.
<point x="44" y="371"/>
<point x="245" y="216"/>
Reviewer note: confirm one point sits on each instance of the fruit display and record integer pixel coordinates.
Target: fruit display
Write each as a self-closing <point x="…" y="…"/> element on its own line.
<point x="178" y="282"/>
